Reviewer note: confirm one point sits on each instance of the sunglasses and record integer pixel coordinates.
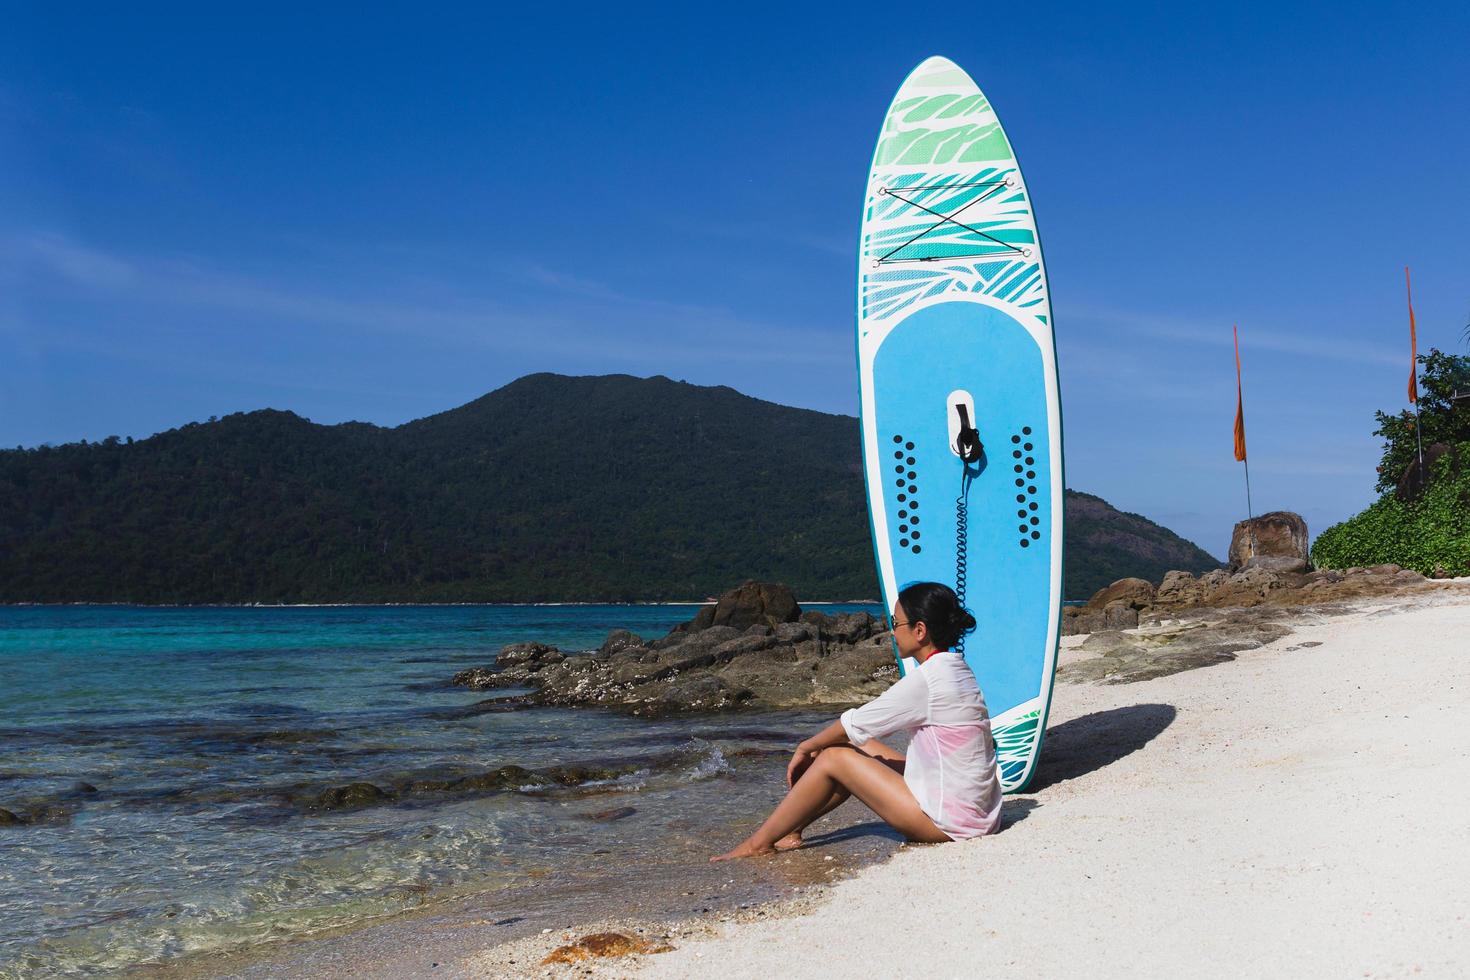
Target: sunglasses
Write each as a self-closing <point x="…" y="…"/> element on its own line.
<point x="894" y="624"/>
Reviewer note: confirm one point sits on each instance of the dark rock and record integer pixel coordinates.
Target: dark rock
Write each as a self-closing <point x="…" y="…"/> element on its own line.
<point x="607" y="816"/>
<point x="428" y="786"/>
<point x="1119" y="615"/>
<point x="477" y="678"/>
<point x="1083" y="621"/>
<point x="1279" y="534"/>
<point x="796" y="632"/>
<point x="702" y="620"/>
<point x="526" y="653"/>
<point x="748" y="643"/>
<point x="581" y="775"/>
<point x="351" y="795"/>
<point x="619" y="641"/>
<point x="84" y="787"/>
<point x="506" y="777"/>
<point x="702" y="692"/>
<point x="48" y="814"/>
<point x="8" y="819"/>
<point x="723" y="668"/>
<point x="767" y="603"/>
<point x="704" y="639"/>
<point x="851" y="627"/>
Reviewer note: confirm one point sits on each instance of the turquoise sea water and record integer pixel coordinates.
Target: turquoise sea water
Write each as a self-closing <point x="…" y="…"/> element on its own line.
<point x="168" y="759"/>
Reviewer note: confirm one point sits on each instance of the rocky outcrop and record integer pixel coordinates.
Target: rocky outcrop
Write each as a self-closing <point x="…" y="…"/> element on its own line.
<point x="581" y="778"/>
<point x="1143" y="654"/>
<point x="1275" y="542"/>
<point x="751" y="604"/>
<point x="829" y="660"/>
<point x="783" y="658"/>
<point x="1122" y="605"/>
<point x="1135" y="593"/>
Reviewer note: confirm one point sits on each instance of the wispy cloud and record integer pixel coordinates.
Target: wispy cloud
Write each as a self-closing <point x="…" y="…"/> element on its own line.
<point x="585" y="318"/>
<point x="1268" y="336"/>
<point x="79" y="264"/>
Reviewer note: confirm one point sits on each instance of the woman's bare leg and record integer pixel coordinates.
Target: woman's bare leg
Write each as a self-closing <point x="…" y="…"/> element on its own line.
<point x="870" y="780"/>
<point x="871" y="747"/>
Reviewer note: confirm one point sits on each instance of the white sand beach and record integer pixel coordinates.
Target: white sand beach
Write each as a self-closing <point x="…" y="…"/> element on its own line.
<point x="1301" y="811"/>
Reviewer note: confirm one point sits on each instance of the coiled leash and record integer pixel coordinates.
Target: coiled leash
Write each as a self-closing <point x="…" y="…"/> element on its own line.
<point x="971" y="450"/>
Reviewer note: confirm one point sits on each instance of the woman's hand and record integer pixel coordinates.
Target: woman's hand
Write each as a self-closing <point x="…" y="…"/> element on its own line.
<point x="800" y="760"/>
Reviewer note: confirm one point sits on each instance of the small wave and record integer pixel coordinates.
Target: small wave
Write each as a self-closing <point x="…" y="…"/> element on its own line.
<point x="711" y="761"/>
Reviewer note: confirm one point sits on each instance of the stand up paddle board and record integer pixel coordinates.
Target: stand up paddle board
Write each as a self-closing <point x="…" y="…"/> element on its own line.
<point x="961" y="417"/>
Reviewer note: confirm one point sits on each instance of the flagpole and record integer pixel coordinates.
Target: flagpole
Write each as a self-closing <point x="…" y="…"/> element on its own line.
<point x="1419" y="436"/>
<point x="1249" y="511"/>
<point x="1240" y="453"/>
<point x="1414" y="375"/>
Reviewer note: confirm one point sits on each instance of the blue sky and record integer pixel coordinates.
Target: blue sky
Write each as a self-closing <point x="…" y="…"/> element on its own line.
<point x="381" y="215"/>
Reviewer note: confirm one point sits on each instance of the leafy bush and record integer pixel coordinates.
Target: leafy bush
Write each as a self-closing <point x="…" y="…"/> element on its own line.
<point x="1444" y="417"/>
<point x="1432" y="532"/>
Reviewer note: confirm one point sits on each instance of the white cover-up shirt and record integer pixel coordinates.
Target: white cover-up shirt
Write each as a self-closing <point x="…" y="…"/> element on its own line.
<point x="950" y="765"/>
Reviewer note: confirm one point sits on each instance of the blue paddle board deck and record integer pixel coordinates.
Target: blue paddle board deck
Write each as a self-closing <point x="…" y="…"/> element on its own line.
<point x="954" y="325"/>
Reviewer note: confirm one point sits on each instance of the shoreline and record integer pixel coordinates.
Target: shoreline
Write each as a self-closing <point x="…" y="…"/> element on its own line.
<point x="427" y="940"/>
<point x="472" y="928"/>
<point x="1108" y="745"/>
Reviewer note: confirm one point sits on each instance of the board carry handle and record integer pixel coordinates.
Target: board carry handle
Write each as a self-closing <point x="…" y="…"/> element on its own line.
<point x="967" y="444"/>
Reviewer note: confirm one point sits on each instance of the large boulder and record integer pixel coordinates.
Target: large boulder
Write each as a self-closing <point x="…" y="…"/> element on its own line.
<point x="1135" y="593"/>
<point x="1179" y="589"/>
<point x="1274" y="542"/>
<point x="764" y="603"/>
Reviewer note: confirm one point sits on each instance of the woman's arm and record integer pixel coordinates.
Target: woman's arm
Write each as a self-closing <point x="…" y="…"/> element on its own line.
<point x="833" y="734"/>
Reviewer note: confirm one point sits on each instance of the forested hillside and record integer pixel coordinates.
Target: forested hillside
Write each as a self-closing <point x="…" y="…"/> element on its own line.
<point x="551" y="488"/>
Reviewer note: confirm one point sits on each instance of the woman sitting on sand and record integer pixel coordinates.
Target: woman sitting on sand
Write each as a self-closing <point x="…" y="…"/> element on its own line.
<point x="947" y="787"/>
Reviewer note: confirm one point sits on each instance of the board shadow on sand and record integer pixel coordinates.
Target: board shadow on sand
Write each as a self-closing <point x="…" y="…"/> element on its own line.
<point x="1095" y="741"/>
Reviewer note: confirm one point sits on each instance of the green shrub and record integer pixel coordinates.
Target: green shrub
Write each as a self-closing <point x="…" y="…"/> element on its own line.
<point x="1431" y="532"/>
<point x="1443" y="416"/>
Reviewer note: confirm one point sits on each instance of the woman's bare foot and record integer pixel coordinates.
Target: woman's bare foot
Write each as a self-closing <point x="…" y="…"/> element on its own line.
<point x="790" y="842"/>
<point x="745" y="850"/>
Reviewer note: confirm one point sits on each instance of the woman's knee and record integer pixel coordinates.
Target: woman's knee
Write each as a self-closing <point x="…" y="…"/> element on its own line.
<point x="838" y="760"/>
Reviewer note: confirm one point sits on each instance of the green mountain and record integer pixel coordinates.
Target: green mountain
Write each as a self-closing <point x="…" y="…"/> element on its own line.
<point x="551" y="488"/>
<point x="1105" y="544"/>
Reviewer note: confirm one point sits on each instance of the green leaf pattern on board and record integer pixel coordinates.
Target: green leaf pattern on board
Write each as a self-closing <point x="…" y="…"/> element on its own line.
<point x="1014" y="743"/>
<point x="936" y="143"/>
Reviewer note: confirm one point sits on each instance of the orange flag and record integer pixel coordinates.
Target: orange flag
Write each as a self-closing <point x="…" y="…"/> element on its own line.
<point x="1413" y="344"/>
<point x="1239" y="405"/>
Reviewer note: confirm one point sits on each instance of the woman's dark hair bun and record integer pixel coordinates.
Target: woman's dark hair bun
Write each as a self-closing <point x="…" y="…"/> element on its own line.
<point x="939" y="609"/>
